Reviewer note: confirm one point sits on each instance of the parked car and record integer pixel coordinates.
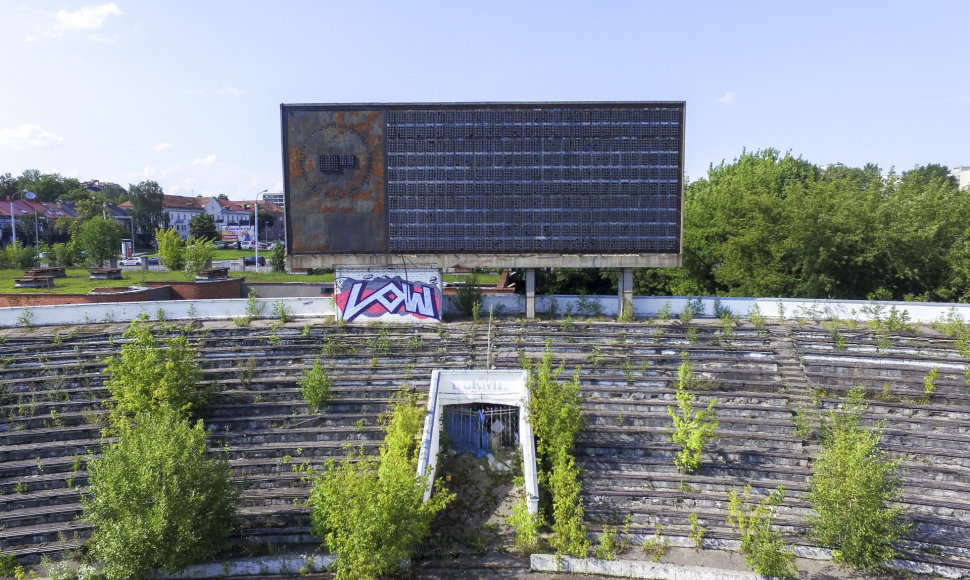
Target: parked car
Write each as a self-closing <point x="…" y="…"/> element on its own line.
<point x="251" y="261"/>
<point x="245" y="245"/>
<point x="130" y="261"/>
<point x="155" y="261"/>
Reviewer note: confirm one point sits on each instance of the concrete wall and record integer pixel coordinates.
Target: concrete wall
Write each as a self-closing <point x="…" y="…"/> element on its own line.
<point x="167" y="309"/>
<point x="504" y="305"/>
<point x="289" y="289"/>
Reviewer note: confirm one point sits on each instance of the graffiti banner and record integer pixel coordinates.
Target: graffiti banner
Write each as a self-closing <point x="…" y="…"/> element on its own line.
<point x="365" y="295"/>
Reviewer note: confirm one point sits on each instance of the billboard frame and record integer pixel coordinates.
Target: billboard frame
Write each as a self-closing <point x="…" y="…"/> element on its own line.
<point x="389" y="258"/>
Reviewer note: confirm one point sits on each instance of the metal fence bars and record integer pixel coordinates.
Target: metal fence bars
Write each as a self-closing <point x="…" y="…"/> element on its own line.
<point x="482" y="428"/>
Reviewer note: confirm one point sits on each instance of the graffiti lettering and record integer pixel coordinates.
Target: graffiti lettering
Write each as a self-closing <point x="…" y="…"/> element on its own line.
<point x="386" y="296"/>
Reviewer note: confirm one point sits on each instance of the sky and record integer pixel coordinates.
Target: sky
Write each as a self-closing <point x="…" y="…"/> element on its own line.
<point x="188" y="93"/>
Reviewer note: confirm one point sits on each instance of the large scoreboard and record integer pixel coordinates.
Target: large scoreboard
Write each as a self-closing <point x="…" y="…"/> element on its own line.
<point x="484" y="184"/>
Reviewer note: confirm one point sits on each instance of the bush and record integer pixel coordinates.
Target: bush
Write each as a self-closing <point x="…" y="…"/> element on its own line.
<point x="556" y="419"/>
<point x="156" y="500"/>
<point x="370" y="512"/>
<point x="764" y="549"/>
<point x="468" y="296"/>
<point x="852" y="485"/>
<point x="526" y="527"/>
<point x="315" y="385"/>
<point x="198" y="256"/>
<point x="150" y="373"/>
<point x="691" y="429"/>
<point x="277" y="258"/>
<point x="171" y="249"/>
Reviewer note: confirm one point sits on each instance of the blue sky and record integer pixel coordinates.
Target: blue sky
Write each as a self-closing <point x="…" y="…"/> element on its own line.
<point x="187" y="92"/>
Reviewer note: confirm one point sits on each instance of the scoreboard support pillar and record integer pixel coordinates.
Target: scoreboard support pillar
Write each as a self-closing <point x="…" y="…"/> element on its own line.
<point x="625" y="293"/>
<point x="530" y="293"/>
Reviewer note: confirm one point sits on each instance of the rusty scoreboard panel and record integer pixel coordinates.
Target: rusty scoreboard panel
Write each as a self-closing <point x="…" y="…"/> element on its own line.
<point x="524" y="184"/>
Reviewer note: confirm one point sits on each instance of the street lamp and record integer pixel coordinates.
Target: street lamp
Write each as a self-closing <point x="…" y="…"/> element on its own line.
<point x="256" y="218"/>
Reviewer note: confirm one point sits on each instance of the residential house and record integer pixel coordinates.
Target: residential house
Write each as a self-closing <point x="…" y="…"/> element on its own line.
<point x="276" y="230"/>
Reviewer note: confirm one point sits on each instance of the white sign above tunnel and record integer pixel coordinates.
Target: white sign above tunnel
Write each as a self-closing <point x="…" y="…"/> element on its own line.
<point x="461" y="387"/>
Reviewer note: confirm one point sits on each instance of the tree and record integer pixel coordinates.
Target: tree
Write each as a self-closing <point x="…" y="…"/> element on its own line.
<point x="146" y="203"/>
<point x="198" y="255"/>
<point x="278" y="258"/>
<point x="265" y="221"/>
<point x="203" y="227"/>
<point x="852" y="485"/>
<point x="370" y="512"/>
<point x="101" y="239"/>
<point x="170" y="248"/>
<point x="156" y="499"/>
<point x="151" y="373"/>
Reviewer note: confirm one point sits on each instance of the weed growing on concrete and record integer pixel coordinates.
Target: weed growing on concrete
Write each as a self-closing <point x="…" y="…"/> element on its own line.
<point x="764" y="549"/>
<point x="691" y="429"/>
<point x="315" y="385"/>
<point x="282" y="312"/>
<point x="697" y="531"/>
<point x="656" y="546"/>
<point x="929" y="385"/>
<point x="526" y="527"/>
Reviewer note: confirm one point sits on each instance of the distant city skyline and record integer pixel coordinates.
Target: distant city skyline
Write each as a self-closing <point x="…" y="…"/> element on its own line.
<point x="188" y="93"/>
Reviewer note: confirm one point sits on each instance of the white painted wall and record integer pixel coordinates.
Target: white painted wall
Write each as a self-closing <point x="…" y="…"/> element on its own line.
<point x="503" y="304"/>
<point x="169" y="309"/>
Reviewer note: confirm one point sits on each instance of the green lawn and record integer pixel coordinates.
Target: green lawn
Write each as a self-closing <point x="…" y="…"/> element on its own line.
<point x="79" y="282"/>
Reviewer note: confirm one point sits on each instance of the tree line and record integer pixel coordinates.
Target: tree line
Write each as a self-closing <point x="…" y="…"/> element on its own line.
<point x="771" y="224"/>
<point x="775" y="225"/>
<point x="145" y="196"/>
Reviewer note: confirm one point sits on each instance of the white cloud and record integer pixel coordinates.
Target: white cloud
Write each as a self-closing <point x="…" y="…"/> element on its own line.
<point x="28" y="135"/>
<point x="726" y="98"/>
<point x="163" y="146"/>
<point x="87" y="18"/>
<point x="207" y="160"/>
<point x="105" y="39"/>
<point x="231" y="91"/>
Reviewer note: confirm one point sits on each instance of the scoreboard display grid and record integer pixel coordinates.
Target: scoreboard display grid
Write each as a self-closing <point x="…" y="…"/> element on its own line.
<point x="506" y="178"/>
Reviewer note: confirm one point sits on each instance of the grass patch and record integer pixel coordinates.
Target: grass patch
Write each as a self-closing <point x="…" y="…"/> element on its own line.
<point x="78" y="280"/>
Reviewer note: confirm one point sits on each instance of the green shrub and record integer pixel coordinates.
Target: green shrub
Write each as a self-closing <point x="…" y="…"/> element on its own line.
<point x="156" y="499"/>
<point x="691" y="429"/>
<point x="852" y="485"/>
<point x="763" y="547"/>
<point x="315" y="385"/>
<point x="151" y="373"/>
<point x="526" y="527"/>
<point x="198" y="256"/>
<point x="370" y="512"/>
<point x="556" y="418"/>
<point x="468" y="296"/>
<point x="171" y="248"/>
<point x="277" y="258"/>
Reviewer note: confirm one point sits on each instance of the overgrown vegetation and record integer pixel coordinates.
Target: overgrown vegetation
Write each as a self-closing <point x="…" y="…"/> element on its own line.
<point x="156" y="499"/>
<point x="315" y="385"/>
<point x="526" y="526"/>
<point x="198" y="256"/>
<point x="764" y="549"/>
<point x="151" y="373"/>
<point x="852" y="488"/>
<point x="369" y="511"/>
<point x="556" y="420"/>
<point x="691" y="430"/>
<point x="468" y="296"/>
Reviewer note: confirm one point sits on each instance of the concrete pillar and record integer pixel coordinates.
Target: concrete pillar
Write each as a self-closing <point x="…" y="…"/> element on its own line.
<point x="530" y="293"/>
<point x="625" y="292"/>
